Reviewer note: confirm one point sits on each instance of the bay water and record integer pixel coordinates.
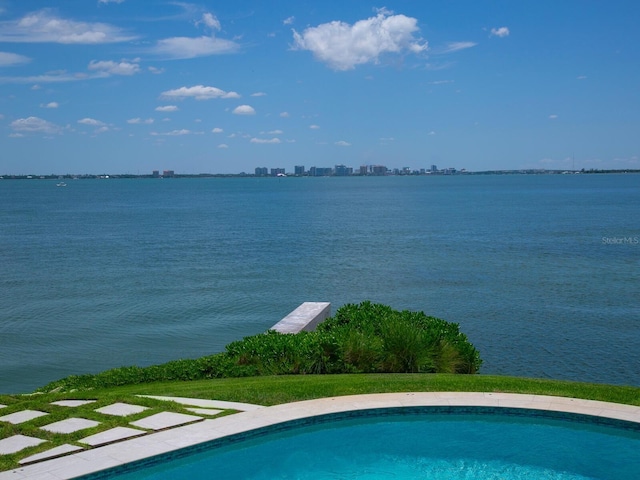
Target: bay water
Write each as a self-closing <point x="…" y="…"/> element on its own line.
<point x="542" y="272"/>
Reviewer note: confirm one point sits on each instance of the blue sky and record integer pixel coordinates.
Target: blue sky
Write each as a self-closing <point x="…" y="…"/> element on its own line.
<point x="130" y="86"/>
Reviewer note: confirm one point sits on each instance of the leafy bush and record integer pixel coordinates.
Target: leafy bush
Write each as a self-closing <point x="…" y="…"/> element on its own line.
<point x="364" y="338"/>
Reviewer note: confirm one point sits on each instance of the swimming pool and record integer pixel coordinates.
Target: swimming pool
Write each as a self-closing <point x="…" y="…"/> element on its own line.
<point x="446" y="443"/>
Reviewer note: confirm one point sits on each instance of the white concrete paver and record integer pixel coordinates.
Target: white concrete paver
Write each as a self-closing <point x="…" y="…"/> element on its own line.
<point x="72" y="403"/>
<point x="113" y="435"/>
<point x="51" y="453"/>
<point x="205" y="411"/>
<point x="163" y="420"/>
<point x="70" y="425"/>
<point x="196" y="402"/>
<point x="165" y="441"/>
<point x="121" y="409"/>
<point x="22" y="416"/>
<point x="16" y="443"/>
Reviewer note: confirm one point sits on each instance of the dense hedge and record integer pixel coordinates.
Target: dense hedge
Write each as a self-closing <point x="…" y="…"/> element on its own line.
<point x="364" y="338"/>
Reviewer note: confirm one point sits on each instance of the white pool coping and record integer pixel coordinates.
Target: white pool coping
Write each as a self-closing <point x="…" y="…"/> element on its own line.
<point x="91" y="461"/>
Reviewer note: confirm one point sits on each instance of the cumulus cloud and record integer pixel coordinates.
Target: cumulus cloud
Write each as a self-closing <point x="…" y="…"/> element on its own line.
<point x="314" y="127"/>
<point x="342" y="143"/>
<point x="223" y="145"/>
<point x="44" y="26"/>
<point x="199" y="92"/>
<point x="50" y="105"/>
<point x="275" y="132"/>
<point x="244" y="110"/>
<point x="284" y="115"/>
<point x="110" y="1"/>
<point x="553" y="116"/>
<point x="500" y="32"/>
<point x="343" y="46"/>
<point x="217" y="130"/>
<point x="210" y="21"/>
<point x="258" y="94"/>
<point x="288" y="21"/>
<point x="138" y="121"/>
<point x="34" y="125"/>
<point x="156" y="70"/>
<point x="177" y="48"/>
<point x="175" y="133"/>
<point x="114" y="68"/>
<point x="264" y="140"/>
<point x="8" y="59"/>
<point x="91" y="121"/>
<point x="166" y="108"/>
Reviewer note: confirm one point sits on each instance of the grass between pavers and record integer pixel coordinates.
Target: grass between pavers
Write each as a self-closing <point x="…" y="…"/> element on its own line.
<point x="272" y="391"/>
<point x="42" y="403"/>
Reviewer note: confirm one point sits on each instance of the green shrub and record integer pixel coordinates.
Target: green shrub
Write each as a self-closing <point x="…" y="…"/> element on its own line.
<point x="364" y="338"/>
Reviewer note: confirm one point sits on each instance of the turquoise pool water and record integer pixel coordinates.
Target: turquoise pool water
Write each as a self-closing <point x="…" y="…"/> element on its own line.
<point x="411" y="445"/>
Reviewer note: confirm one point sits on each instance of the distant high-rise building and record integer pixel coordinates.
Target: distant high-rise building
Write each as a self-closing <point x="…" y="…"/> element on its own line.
<point x="262" y="171"/>
<point x="299" y="170"/>
<point x="155" y="173"/>
<point x="168" y="173"/>
<point x="434" y="168"/>
<point x="343" y="171"/>
<point x="363" y="169"/>
<point x="277" y="171"/>
<point x="379" y="170"/>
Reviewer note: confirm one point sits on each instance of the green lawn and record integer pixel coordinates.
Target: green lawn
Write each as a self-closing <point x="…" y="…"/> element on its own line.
<point x="273" y="391"/>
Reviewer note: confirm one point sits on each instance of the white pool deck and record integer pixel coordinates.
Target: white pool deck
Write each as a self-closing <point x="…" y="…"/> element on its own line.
<point x="94" y="460"/>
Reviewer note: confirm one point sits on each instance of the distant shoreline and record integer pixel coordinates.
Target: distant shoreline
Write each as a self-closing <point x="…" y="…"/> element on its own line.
<point x="251" y="175"/>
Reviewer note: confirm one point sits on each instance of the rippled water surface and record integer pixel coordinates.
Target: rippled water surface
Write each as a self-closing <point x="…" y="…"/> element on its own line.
<point x="541" y="272"/>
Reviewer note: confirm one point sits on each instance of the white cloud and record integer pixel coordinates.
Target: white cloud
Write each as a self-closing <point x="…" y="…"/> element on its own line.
<point x="8" y="59"/>
<point x="199" y="92"/>
<point x="114" y="68"/>
<point x="275" y="132"/>
<point x="110" y="1"/>
<point x="175" y="133"/>
<point x="155" y="70"/>
<point x="431" y="133"/>
<point x="258" y="94"/>
<point x="91" y="121"/>
<point x="34" y="125"/>
<point x="288" y="21"/>
<point x="314" y="127"/>
<point x="50" y="105"/>
<point x="581" y="77"/>
<point x="191" y="47"/>
<point x="284" y="114"/>
<point x="343" y="46"/>
<point x="500" y="32"/>
<point x="264" y="140"/>
<point x="210" y="21"/>
<point x="166" y="108"/>
<point x="455" y="47"/>
<point x="217" y="130"/>
<point x="342" y="143"/>
<point x="223" y="145"/>
<point x="553" y="116"/>
<point x="138" y="121"/>
<point x="244" y="110"/>
<point x="43" y="26"/>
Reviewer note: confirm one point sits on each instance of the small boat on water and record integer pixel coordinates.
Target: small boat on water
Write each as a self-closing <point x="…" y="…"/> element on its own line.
<point x="61" y="184"/>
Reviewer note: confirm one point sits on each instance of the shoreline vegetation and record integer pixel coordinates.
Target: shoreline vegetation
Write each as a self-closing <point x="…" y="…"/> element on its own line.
<point x="363" y="338"/>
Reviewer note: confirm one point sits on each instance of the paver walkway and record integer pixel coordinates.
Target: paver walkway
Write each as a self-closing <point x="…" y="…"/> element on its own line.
<point x="170" y="440"/>
<point x="151" y="423"/>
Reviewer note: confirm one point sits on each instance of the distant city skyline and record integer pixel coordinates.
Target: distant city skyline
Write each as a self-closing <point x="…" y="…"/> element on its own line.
<point x="123" y="86"/>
